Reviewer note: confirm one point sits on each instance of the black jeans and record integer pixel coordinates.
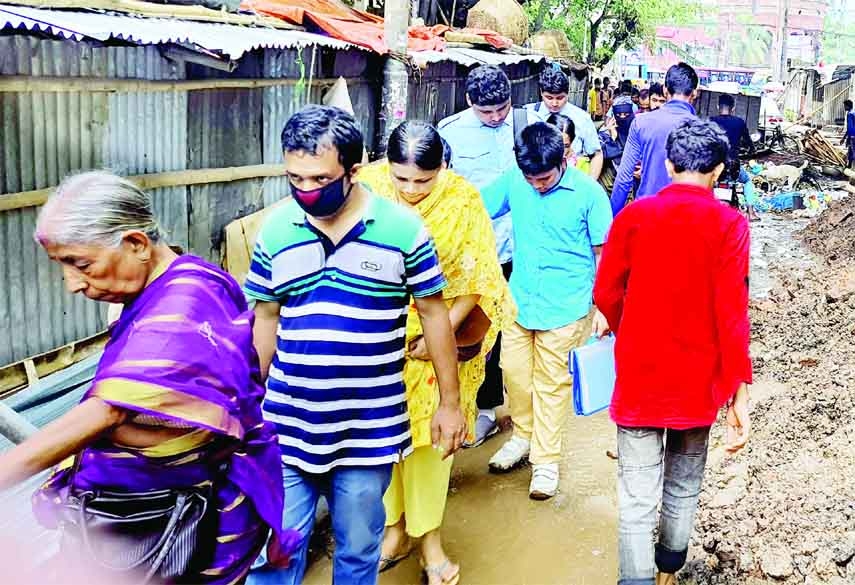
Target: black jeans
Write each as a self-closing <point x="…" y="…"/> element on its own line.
<point x="491" y="394"/>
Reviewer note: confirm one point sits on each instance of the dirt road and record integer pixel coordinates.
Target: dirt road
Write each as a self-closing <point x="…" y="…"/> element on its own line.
<point x="499" y="536"/>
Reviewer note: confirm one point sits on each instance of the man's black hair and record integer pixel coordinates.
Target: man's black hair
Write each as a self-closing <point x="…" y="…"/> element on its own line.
<point x="315" y="128"/>
<point x="626" y="87"/>
<point x="488" y="85"/>
<point x="681" y="79"/>
<point x="564" y="124"/>
<point x="726" y="100"/>
<point x="553" y="81"/>
<point x="644" y="94"/>
<point x="597" y="82"/>
<point x="539" y="149"/>
<point x="635" y="92"/>
<point x="697" y="146"/>
<point x="657" y="89"/>
<point x="847" y="105"/>
<point x="606" y="80"/>
<point x="417" y="143"/>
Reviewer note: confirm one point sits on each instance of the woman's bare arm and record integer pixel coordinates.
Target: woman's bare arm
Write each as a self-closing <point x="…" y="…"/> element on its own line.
<point x="460" y="309"/>
<point x="63" y="437"/>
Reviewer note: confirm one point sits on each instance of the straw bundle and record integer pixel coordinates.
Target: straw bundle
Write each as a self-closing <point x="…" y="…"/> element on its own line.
<point x="552" y="43"/>
<point x="506" y="17"/>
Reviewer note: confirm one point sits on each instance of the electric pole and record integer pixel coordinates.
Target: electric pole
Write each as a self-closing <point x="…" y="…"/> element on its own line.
<point x="784" y="36"/>
<point x="396" y="79"/>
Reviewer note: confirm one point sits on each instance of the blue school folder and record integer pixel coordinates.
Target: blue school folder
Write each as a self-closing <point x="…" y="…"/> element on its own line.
<point x="593" y="369"/>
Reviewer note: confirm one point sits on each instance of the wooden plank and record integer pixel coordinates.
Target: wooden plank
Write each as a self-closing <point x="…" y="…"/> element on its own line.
<point x="18" y="375"/>
<point x="197" y="13"/>
<point x="31" y="372"/>
<point x="156" y="180"/>
<point x="31" y="84"/>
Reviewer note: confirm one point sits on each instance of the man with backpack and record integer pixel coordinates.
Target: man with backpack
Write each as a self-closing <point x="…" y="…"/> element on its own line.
<point x="481" y="140"/>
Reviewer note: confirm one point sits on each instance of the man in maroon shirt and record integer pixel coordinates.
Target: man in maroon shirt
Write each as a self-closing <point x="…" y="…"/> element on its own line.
<point x="673" y="285"/>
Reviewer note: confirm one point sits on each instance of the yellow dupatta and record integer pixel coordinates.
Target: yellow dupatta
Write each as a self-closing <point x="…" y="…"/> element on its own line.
<point x="458" y="222"/>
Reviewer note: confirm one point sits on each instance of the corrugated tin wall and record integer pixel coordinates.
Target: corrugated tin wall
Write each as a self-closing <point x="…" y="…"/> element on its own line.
<point x="45" y="136"/>
<point x="224" y="130"/>
<point x="794" y="94"/>
<point x="832" y="102"/>
<point x="801" y="97"/>
<point x="440" y="90"/>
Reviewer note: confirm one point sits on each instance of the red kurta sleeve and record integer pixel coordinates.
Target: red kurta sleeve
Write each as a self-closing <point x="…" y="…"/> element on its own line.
<point x="731" y="311"/>
<point x="613" y="272"/>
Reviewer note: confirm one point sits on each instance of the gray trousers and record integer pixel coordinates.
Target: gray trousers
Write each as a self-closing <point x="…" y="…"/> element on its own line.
<point x="657" y="466"/>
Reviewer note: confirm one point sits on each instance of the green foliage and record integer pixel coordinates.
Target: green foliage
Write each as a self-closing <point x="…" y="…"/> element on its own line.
<point x="838" y="37"/>
<point x="598" y="28"/>
<point x="749" y="44"/>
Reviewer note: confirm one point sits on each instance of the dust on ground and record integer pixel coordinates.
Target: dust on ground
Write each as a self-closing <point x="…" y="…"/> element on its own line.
<point x="784" y="511"/>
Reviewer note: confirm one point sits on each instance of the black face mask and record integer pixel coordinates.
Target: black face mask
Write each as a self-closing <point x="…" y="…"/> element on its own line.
<point x="323" y="202"/>
<point x="623" y="122"/>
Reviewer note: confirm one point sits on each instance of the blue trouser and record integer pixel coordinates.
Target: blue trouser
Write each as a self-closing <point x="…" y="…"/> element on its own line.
<point x="651" y="471"/>
<point x="355" y="496"/>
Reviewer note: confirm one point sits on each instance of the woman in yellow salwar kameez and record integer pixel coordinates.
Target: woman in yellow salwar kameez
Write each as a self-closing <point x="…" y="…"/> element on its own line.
<point x="414" y="174"/>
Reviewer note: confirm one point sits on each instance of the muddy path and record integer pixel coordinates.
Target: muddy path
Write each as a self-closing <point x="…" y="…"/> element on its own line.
<point x="500" y="537"/>
<point x="775" y="248"/>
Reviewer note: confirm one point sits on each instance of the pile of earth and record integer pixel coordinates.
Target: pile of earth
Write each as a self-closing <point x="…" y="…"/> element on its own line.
<point x="783" y="511"/>
<point x="831" y="235"/>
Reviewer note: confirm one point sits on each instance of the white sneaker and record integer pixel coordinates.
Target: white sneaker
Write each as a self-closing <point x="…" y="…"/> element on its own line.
<point x="544" y="481"/>
<point x="510" y="456"/>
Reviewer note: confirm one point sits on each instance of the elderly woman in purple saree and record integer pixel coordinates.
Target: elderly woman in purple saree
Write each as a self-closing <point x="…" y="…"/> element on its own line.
<point x="176" y="400"/>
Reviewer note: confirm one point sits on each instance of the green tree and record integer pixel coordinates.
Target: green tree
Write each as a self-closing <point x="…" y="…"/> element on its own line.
<point x="838" y="37"/>
<point x="749" y="46"/>
<point x="598" y="28"/>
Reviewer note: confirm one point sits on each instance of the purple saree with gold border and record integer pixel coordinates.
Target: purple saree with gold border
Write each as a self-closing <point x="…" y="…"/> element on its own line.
<point x="181" y="356"/>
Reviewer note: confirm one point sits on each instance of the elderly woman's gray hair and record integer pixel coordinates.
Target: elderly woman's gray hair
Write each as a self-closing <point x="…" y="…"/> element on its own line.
<point x="95" y="209"/>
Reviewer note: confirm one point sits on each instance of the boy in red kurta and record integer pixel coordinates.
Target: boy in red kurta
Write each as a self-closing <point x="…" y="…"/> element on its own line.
<point x="673" y="285"/>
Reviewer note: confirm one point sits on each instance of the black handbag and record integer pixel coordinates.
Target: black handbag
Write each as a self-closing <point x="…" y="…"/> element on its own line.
<point x="612" y="149"/>
<point x="151" y="536"/>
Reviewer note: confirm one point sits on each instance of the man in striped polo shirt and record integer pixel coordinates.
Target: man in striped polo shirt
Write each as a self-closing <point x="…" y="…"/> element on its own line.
<point x="332" y="274"/>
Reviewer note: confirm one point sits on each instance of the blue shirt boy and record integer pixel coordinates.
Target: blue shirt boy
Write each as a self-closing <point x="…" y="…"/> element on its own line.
<point x="554" y="233"/>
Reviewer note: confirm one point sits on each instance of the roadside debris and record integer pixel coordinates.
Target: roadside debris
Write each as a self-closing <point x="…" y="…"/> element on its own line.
<point x="817" y="145"/>
<point x="783" y="511"/>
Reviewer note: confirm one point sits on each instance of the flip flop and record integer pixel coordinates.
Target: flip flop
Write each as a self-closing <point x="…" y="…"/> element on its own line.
<point x="387" y="563"/>
<point x="439" y="572"/>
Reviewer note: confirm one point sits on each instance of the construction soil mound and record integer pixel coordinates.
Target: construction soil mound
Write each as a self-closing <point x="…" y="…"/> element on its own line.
<point x="832" y="235"/>
<point x="783" y="511"/>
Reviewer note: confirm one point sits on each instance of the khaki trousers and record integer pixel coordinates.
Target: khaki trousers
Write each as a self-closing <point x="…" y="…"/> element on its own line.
<point x="537" y="377"/>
